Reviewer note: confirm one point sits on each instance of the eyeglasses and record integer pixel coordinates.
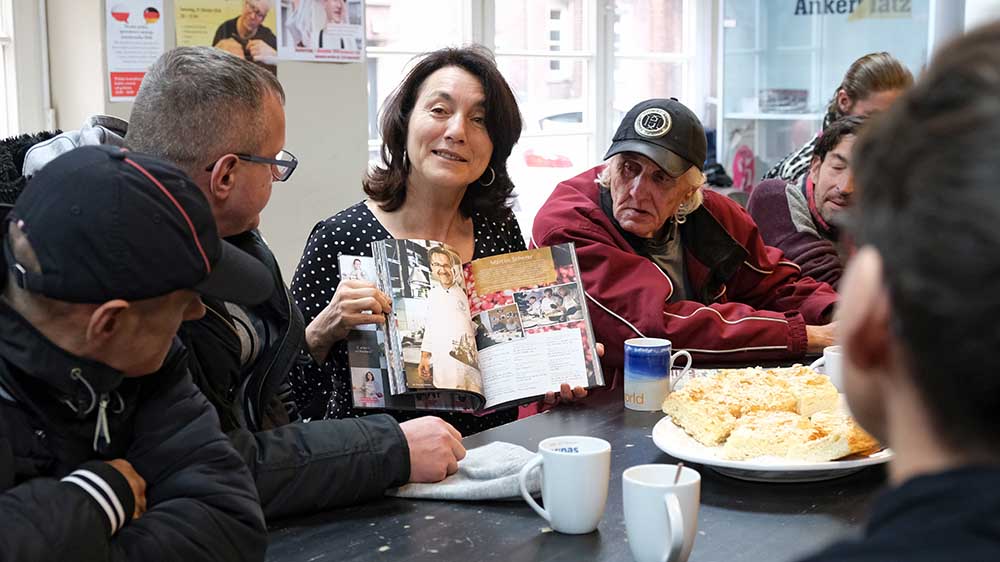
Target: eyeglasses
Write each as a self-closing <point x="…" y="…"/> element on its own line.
<point x="282" y="165"/>
<point x="254" y="11"/>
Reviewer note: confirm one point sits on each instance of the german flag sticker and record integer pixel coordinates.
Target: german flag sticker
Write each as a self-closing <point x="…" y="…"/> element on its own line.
<point x="151" y="14"/>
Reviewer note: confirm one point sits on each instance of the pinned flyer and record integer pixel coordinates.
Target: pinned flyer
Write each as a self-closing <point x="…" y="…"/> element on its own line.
<point x="321" y="30"/>
<point x="242" y="28"/>
<point x="134" y="42"/>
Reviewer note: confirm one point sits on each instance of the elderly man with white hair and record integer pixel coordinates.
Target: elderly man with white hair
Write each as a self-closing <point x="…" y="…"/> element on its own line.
<point x="662" y="257"/>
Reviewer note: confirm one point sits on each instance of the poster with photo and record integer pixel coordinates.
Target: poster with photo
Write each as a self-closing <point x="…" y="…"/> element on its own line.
<point x="321" y="30"/>
<point x="244" y="28"/>
<point x="134" y="42"/>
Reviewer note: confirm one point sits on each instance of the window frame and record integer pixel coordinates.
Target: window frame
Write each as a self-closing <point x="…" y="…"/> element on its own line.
<point x="479" y="26"/>
<point x="8" y="72"/>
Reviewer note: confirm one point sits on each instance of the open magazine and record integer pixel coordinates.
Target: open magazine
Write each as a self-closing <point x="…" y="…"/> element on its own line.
<point x="497" y="331"/>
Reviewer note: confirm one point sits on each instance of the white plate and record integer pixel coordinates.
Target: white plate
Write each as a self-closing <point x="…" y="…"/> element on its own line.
<point x="674" y="441"/>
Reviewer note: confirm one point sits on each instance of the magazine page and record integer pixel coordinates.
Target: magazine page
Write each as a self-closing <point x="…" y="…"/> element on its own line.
<point x="393" y="365"/>
<point x="365" y="344"/>
<point x="431" y="316"/>
<point x="531" y="323"/>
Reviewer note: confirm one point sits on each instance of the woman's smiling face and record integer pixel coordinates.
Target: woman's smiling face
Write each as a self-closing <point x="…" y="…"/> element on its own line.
<point x="447" y="142"/>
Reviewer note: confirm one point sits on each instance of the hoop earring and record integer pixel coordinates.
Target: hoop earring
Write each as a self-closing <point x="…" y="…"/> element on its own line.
<point x="493" y="178"/>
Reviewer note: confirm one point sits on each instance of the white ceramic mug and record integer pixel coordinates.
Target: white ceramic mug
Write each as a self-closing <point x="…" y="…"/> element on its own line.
<point x="575" y="473"/>
<point x="648" y="364"/>
<point x="831" y="363"/>
<point x="661" y="518"/>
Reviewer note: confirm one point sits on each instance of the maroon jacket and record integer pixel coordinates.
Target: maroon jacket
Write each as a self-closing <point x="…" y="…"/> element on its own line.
<point x="752" y="304"/>
<point x="788" y="220"/>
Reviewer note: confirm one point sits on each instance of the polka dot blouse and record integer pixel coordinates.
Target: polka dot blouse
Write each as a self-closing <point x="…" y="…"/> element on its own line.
<point x="324" y="391"/>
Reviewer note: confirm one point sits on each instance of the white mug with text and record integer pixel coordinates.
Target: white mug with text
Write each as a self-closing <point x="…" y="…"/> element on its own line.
<point x="575" y="473"/>
<point x="661" y="511"/>
<point x="831" y="363"/>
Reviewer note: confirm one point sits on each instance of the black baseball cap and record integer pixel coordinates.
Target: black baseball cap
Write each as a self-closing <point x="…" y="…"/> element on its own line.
<point x="666" y="132"/>
<point x="107" y="224"/>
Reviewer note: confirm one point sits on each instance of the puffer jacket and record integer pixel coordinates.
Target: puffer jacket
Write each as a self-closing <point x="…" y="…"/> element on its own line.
<point x="299" y="468"/>
<point x="62" y="416"/>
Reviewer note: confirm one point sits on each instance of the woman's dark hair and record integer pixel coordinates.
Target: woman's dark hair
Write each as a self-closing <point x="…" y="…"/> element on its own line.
<point x="386" y="183"/>
<point x="929" y="202"/>
<point x="870" y="74"/>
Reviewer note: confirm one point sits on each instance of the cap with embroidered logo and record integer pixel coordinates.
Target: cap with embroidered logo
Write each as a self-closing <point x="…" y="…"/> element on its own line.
<point x="107" y="224"/>
<point x="666" y="132"/>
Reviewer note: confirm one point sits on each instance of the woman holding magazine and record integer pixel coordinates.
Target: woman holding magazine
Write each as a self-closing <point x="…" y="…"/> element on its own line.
<point x="447" y="132"/>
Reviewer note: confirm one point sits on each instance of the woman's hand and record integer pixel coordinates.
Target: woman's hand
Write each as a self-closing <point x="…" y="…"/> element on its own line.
<point x="354" y="303"/>
<point x="567" y="394"/>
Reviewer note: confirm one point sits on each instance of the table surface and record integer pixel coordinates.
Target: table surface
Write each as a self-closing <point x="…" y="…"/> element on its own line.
<point x="738" y="520"/>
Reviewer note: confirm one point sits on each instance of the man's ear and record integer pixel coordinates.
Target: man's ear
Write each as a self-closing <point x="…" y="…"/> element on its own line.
<point x="224" y="177"/>
<point x="105" y="321"/>
<point x="864" y="319"/>
<point x="844" y="102"/>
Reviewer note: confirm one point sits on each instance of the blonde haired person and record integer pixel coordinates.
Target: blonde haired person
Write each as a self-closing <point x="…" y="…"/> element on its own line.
<point x="661" y="256"/>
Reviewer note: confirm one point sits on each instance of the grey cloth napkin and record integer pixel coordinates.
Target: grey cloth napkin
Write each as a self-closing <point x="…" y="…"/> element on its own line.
<point x="486" y="473"/>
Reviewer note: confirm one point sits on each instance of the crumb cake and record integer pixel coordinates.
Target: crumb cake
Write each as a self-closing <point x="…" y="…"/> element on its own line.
<point x="789" y="412"/>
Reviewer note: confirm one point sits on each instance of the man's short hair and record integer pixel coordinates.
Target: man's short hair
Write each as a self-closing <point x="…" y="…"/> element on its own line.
<point x="835" y="132"/>
<point x="929" y="201"/>
<point x="198" y="103"/>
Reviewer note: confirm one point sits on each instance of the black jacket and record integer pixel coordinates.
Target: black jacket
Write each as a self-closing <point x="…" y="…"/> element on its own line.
<point x="298" y="467"/>
<point x="951" y="516"/>
<point x="59" y="501"/>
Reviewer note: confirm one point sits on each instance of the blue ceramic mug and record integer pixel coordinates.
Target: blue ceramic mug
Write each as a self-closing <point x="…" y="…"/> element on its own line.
<point x="648" y="363"/>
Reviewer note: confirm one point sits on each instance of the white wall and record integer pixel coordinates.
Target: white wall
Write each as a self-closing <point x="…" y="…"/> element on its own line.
<point x="326" y="121"/>
<point x="76" y="40"/>
<point x="28" y="70"/>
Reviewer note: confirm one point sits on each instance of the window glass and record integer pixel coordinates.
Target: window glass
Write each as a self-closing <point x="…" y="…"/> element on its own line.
<point x="534" y="25"/>
<point x="397" y="33"/>
<point x="546" y="49"/>
<point x="8" y="97"/>
<point x="637" y="79"/>
<point x="415" y="26"/>
<point x="649" y="26"/>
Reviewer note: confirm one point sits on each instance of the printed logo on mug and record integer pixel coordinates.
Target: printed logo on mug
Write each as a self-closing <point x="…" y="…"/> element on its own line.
<point x="648" y="363"/>
<point x="661" y="511"/>
<point x="575" y="473"/>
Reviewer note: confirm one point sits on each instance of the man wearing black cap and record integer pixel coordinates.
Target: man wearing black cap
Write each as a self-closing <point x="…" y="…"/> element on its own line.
<point x="107" y="449"/>
<point x="192" y="111"/>
<point x="660" y="257"/>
